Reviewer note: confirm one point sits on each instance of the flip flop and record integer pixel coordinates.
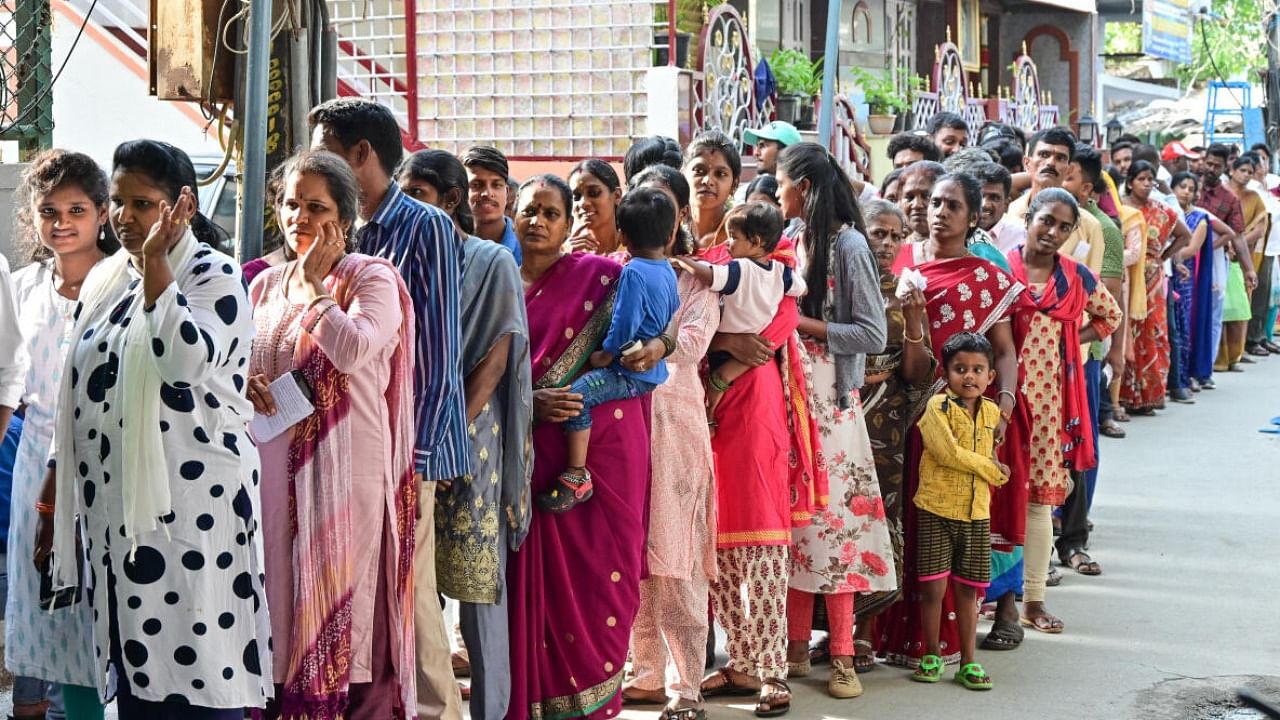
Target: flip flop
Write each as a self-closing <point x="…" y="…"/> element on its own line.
<point x="973" y="677"/>
<point x="1004" y="635"/>
<point x="1275" y="420"/>
<point x="1270" y="430"/>
<point x="1044" y="625"/>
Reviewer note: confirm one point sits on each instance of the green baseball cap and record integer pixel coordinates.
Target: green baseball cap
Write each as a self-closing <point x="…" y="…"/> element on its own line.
<point x="777" y="131"/>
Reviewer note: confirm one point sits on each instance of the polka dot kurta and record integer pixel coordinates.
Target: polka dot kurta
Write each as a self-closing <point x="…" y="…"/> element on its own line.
<point x="188" y="602"/>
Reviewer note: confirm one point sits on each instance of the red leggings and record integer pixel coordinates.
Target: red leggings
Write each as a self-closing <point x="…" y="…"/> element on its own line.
<point x="839" y="619"/>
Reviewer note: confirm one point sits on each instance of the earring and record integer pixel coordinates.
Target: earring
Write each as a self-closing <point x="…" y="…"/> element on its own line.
<point x="102" y="233"/>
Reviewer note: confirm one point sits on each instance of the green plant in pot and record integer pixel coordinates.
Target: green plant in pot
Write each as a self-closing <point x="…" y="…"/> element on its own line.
<point x="799" y="80"/>
<point x="883" y="98"/>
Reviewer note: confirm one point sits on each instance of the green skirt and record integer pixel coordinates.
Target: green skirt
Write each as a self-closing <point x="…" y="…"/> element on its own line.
<point x="1235" y="307"/>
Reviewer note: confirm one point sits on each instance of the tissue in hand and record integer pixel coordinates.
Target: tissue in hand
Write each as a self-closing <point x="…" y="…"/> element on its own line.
<point x="910" y="279"/>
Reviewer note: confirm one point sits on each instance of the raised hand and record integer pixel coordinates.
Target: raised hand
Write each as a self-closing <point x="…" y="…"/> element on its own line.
<point x="172" y="225"/>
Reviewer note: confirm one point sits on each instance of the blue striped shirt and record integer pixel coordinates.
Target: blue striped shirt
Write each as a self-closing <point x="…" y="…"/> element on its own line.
<point x="423" y="243"/>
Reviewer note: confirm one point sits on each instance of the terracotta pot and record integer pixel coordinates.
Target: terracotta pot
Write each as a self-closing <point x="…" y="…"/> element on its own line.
<point x="882" y="124"/>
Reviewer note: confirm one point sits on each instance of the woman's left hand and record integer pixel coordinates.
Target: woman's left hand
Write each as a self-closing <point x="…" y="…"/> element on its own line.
<point x="647" y="357"/>
<point x="1184" y="272"/>
<point x="1000" y="429"/>
<point x="172" y="225"/>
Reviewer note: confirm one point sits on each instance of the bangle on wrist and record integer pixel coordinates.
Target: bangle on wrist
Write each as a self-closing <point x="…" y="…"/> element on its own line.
<point x="718" y="383"/>
<point x="907" y="336"/>
<point x="668" y="343"/>
<point x="44" y="508"/>
<point x="1012" y="397"/>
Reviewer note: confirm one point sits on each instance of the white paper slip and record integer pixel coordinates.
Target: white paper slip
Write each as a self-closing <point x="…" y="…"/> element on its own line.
<point x="292" y="405"/>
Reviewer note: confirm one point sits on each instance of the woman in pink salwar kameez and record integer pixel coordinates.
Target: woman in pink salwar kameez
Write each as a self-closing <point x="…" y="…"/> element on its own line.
<point x="338" y="497"/>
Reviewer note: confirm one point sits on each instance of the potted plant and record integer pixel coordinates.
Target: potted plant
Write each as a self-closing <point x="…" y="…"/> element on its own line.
<point x="812" y="72"/>
<point x="884" y="101"/>
<point x="791" y="68"/>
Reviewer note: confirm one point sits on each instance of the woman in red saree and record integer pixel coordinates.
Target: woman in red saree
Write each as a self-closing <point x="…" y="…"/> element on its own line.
<point x="574" y="585"/>
<point x="1144" y="386"/>
<point x="962" y="293"/>
<point x="1047" y="330"/>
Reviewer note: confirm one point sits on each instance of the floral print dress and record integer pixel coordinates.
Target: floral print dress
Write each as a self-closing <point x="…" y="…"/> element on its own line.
<point x="846" y="547"/>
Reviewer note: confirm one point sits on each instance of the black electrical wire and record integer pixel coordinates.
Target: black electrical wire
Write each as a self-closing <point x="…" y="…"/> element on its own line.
<point x="1204" y="39"/>
<point x="48" y="89"/>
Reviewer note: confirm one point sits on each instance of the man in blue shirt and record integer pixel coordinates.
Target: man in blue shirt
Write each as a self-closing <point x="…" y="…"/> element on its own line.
<point x="489" y="194"/>
<point x="423" y="243"/>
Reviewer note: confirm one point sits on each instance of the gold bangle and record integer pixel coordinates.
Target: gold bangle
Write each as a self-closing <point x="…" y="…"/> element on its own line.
<point x="910" y="339"/>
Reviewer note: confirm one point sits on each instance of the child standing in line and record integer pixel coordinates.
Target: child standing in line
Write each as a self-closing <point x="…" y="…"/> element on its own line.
<point x="957" y="470"/>
<point x="643" y="304"/>
<point x="751" y="286"/>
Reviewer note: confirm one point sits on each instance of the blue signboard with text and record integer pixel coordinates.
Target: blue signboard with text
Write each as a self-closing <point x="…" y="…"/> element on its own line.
<point x="1167" y="30"/>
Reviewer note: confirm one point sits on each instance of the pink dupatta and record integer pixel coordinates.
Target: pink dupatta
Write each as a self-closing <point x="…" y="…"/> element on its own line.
<point x="319" y="657"/>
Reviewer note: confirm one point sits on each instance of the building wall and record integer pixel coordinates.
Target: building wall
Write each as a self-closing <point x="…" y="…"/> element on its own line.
<point x="102" y="97"/>
<point x="1051" y="28"/>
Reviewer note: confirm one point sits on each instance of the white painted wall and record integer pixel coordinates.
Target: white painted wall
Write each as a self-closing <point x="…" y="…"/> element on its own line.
<point x="101" y="99"/>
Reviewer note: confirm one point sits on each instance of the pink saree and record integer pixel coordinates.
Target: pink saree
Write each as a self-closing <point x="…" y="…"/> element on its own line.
<point x="575" y="583"/>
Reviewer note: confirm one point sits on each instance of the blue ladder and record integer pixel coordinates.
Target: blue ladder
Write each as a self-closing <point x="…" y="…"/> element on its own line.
<point x="1227" y="101"/>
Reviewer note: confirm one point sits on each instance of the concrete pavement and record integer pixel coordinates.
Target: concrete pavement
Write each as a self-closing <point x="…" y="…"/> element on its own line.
<point x="1186" y="517"/>
<point x="1186" y="514"/>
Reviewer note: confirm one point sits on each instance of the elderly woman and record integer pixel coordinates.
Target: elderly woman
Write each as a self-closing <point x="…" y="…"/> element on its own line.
<point x="485" y="515"/>
<point x="568" y="646"/>
<point x="62" y="205"/>
<point x="894" y="380"/>
<point x="339" y="324"/>
<point x="672" y="623"/>
<point x="153" y="455"/>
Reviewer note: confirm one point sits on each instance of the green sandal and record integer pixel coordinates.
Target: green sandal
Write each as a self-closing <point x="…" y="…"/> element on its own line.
<point x="930" y="670"/>
<point x="973" y="677"/>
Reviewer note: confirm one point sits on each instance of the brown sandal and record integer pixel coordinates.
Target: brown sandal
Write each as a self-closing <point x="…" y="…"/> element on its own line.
<point x="766" y="706"/>
<point x="726" y="687"/>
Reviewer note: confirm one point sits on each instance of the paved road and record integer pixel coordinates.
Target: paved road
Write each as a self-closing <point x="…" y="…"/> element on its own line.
<point x="1186" y="513"/>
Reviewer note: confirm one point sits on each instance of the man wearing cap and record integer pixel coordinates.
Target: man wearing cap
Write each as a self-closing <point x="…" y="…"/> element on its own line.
<point x="768" y="142"/>
<point x="1174" y="158"/>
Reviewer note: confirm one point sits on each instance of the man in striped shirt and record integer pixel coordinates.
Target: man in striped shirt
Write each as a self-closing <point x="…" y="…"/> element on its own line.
<point x="423" y="243"/>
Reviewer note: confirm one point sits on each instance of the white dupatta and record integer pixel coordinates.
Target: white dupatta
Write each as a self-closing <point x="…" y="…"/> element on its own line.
<point x="145" y="476"/>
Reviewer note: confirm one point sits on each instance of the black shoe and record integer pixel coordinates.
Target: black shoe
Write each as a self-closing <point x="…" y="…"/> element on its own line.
<point x="1256" y="350"/>
<point x="1180" y="395"/>
<point x="1271" y="347"/>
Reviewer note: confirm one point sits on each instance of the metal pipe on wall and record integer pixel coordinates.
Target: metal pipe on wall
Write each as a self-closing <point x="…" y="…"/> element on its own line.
<point x="254" y="174"/>
<point x="830" y="68"/>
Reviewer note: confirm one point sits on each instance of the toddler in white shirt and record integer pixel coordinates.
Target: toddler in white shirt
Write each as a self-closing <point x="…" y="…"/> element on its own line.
<point x="751" y="286"/>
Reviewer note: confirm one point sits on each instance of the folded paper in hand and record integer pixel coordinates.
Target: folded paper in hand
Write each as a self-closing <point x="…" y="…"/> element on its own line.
<point x="292" y="405"/>
<point x="910" y="279"/>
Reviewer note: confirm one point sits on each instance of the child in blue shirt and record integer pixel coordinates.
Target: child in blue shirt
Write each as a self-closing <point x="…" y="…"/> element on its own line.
<point x="643" y="305"/>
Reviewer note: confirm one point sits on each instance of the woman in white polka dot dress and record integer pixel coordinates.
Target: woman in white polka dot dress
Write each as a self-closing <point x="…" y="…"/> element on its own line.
<point x="152" y="453"/>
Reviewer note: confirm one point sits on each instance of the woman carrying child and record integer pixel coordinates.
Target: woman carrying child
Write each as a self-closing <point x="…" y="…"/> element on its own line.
<point x="845" y="549"/>
<point x="642" y="306"/>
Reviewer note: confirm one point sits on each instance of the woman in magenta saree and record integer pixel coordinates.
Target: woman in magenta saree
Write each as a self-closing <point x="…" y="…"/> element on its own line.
<point x="575" y="584"/>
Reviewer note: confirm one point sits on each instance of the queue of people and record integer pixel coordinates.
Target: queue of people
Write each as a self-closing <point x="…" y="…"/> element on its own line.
<point x="622" y="412"/>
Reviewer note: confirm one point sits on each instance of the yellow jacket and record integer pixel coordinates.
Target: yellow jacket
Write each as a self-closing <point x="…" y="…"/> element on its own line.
<point x="958" y="466"/>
